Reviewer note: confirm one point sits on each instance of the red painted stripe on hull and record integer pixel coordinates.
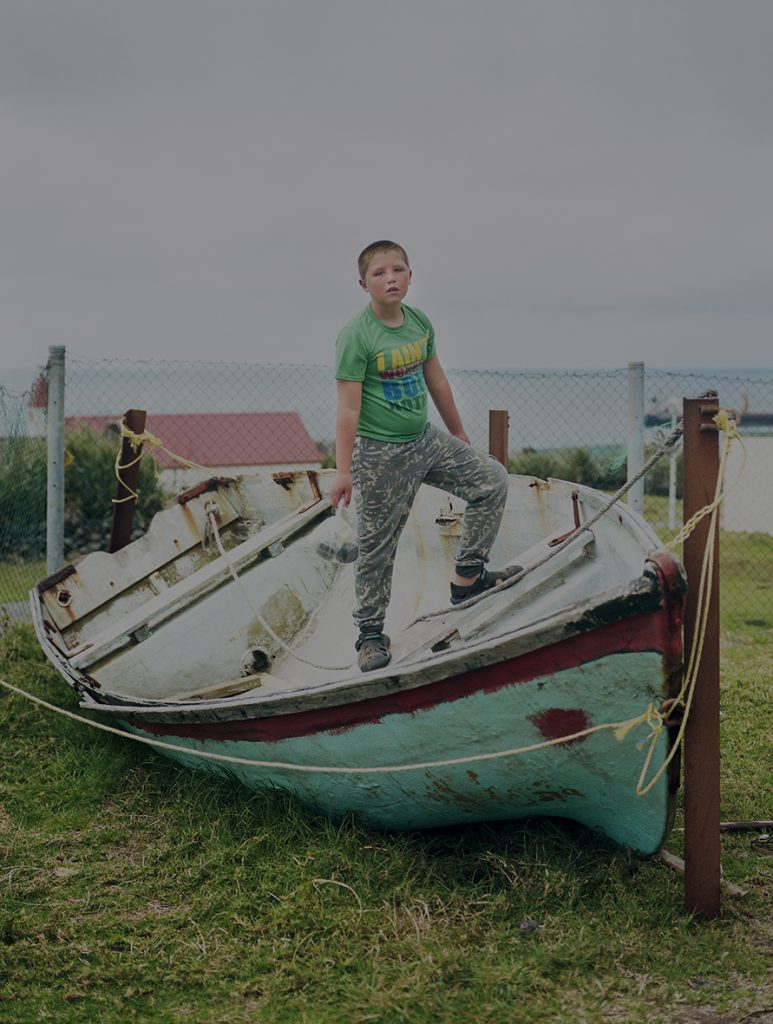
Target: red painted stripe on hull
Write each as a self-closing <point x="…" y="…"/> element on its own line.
<point x="650" y="631"/>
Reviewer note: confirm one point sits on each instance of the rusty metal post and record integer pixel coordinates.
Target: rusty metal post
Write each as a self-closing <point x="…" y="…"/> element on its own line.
<point x="701" y="741"/>
<point x="123" y="508"/>
<point x="498" y="423"/>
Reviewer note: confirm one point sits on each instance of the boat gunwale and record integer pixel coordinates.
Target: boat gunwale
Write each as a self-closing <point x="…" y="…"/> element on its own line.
<point x="650" y="592"/>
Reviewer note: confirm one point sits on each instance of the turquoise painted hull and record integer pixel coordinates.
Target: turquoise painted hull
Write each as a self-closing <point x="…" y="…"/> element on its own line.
<point x="502" y="711"/>
<point x="591" y="780"/>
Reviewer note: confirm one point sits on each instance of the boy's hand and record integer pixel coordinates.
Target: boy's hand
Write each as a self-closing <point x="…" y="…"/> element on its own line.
<point x="341" y="489"/>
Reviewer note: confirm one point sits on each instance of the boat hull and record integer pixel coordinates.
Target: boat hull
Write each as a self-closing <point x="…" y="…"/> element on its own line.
<point x="458" y="733"/>
<point x="517" y="706"/>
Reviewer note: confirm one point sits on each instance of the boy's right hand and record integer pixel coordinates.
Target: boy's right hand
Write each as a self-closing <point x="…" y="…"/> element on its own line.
<point x="341" y="489"/>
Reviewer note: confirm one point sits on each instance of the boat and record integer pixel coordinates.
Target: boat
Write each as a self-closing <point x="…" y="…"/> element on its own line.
<point x="224" y="636"/>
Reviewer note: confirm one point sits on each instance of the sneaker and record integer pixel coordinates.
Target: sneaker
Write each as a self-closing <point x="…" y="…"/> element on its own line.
<point x="488" y="578"/>
<point x="373" y="651"/>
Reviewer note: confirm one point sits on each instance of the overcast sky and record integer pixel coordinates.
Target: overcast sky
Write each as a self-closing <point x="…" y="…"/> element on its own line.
<point x="578" y="183"/>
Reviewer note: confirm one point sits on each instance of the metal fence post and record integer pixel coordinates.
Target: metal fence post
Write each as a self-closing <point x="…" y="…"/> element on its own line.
<point x="55" y="472"/>
<point x="636" y="433"/>
<point x="498" y="423"/>
<point x="701" y="741"/>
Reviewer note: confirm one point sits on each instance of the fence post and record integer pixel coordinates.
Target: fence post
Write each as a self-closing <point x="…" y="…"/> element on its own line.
<point x="672" y="457"/>
<point x="636" y="433"/>
<point x="498" y="423"/>
<point x="126" y="487"/>
<point x="55" y="460"/>
<point x="701" y="740"/>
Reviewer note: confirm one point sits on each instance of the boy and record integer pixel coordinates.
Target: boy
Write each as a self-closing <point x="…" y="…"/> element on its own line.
<point x="385" y="365"/>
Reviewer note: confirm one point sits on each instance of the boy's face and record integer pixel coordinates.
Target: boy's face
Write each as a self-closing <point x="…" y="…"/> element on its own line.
<point x="387" y="279"/>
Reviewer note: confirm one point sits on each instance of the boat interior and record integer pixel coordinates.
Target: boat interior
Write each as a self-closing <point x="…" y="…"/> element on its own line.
<point x="230" y="592"/>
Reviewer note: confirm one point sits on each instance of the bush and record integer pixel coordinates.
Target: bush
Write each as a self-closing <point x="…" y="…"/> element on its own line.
<point x="23" y="469"/>
<point x="606" y="470"/>
<point x="656" y="481"/>
<point x="90" y="484"/>
<point x="89" y="487"/>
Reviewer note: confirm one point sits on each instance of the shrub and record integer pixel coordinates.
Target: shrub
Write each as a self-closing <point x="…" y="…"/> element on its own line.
<point x="89" y="487"/>
<point x="90" y="484"/>
<point x="605" y="470"/>
<point x="23" y="468"/>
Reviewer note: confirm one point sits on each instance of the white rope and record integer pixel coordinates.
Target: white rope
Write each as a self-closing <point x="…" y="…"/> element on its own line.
<point x="621" y="729"/>
<point x="211" y="511"/>
<point x="663" y="447"/>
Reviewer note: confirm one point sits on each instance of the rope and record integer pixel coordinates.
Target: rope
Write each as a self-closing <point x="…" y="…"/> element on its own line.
<point x="667" y="443"/>
<point x="729" y="427"/>
<point x="655" y="718"/>
<point x="620" y="729"/>
<point x="136" y="441"/>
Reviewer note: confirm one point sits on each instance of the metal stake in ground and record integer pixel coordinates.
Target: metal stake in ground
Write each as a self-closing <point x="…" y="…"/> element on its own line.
<point x="701" y="741"/>
<point x="126" y="488"/>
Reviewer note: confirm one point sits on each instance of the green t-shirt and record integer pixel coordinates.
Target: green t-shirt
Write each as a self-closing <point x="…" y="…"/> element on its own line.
<point x="390" y="363"/>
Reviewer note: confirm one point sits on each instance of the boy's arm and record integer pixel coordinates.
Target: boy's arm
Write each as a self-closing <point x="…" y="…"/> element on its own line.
<point x="440" y="390"/>
<point x="347" y="418"/>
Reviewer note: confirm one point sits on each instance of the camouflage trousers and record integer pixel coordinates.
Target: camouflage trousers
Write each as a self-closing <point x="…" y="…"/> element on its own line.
<point x="386" y="478"/>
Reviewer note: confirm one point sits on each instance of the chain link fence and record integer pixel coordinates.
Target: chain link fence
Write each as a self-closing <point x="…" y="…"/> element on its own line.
<point x="232" y="417"/>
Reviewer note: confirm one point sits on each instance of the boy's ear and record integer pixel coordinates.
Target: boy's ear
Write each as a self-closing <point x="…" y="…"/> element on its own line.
<point x="363" y="285"/>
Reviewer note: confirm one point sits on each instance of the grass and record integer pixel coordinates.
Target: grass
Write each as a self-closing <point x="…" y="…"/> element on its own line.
<point x="133" y="890"/>
<point x="16" y="580"/>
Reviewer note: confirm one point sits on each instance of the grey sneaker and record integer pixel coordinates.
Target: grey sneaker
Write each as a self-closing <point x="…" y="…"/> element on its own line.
<point x="373" y="652"/>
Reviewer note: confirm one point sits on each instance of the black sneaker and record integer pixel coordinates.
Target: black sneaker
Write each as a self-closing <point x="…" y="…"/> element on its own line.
<point x="373" y="651"/>
<point x="488" y="579"/>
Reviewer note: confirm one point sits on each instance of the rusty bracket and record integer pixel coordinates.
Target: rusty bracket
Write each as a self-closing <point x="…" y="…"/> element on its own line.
<point x="576" y="512"/>
<point x="709" y="410"/>
<point x="55" y="578"/>
<point x="214" y="483"/>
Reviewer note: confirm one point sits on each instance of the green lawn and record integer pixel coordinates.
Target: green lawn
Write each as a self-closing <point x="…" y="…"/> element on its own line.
<point x="17" y="580"/>
<point x="133" y="890"/>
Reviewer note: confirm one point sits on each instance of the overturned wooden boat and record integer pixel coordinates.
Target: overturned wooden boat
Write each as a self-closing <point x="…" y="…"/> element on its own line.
<point x="224" y="634"/>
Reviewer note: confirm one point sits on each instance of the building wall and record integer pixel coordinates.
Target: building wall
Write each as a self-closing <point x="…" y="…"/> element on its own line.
<point x="746" y="508"/>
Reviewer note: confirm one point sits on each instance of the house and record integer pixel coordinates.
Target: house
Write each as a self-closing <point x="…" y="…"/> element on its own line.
<point x="223" y="443"/>
<point x="37" y="407"/>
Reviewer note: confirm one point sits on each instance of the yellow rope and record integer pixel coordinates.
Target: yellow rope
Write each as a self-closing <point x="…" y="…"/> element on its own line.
<point x="729" y="427"/>
<point x="655" y="718"/>
<point x="136" y="441"/>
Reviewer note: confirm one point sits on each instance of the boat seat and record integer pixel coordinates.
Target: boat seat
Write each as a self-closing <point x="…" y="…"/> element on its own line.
<point x="460" y="624"/>
<point x="262" y="681"/>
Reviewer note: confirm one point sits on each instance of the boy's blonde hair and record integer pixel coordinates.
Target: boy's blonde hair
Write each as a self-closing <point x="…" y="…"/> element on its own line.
<point x="367" y="254"/>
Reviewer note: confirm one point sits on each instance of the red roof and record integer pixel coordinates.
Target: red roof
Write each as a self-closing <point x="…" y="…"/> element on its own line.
<point x="221" y="438"/>
<point x="39" y="396"/>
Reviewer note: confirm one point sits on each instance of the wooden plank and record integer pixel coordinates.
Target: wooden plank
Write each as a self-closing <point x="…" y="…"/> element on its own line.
<point x="201" y="582"/>
<point x="100" y="576"/>
<point x="230" y="688"/>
